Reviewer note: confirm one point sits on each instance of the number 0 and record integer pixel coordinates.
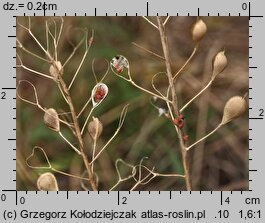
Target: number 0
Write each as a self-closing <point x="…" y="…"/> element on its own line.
<point x="244" y="6"/>
<point x="3" y="197"/>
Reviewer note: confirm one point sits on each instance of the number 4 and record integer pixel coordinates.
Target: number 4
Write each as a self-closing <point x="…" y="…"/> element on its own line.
<point x="227" y="200"/>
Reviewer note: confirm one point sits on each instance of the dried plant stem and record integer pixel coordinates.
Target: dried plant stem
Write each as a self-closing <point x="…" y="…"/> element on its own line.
<point x="84" y="126"/>
<point x="78" y="134"/>
<point x="34" y="71"/>
<point x="187" y="61"/>
<point x="70" y="144"/>
<point x="165" y="22"/>
<point x="164" y="43"/>
<point x="148" y="51"/>
<point x="197" y="95"/>
<point x="203" y="138"/>
<point x="122" y="117"/>
<point x="68" y="174"/>
<point x="139" y="87"/>
<point x="150" y="22"/>
<point x="93" y="153"/>
<point x="49" y="165"/>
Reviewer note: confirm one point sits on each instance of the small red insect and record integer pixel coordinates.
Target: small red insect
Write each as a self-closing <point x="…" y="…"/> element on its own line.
<point x="179" y="121"/>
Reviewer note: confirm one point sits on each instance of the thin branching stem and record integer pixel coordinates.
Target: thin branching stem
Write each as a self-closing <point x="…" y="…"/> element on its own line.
<point x="70" y="144"/>
<point x="175" y="111"/>
<point x="88" y="45"/>
<point x="49" y="166"/>
<point x="122" y="118"/>
<point x="87" y="118"/>
<point x="165" y="22"/>
<point x="197" y="95"/>
<point x="29" y="52"/>
<point x="148" y="51"/>
<point x="139" y="87"/>
<point x="150" y="22"/>
<point x="203" y="138"/>
<point x="187" y="61"/>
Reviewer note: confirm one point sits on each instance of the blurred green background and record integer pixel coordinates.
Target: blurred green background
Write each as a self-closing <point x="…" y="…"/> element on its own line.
<point x="219" y="163"/>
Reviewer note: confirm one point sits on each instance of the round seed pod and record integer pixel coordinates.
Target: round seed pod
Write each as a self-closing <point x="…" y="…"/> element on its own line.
<point x="95" y="128"/>
<point x="219" y="63"/>
<point x="47" y="182"/>
<point x="98" y="94"/>
<point x="234" y="108"/>
<point x="198" y="31"/>
<point x="56" y="69"/>
<point x="51" y="119"/>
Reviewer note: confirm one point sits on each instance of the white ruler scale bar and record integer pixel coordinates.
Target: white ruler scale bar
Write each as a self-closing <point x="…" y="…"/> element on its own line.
<point x="142" y="206"/>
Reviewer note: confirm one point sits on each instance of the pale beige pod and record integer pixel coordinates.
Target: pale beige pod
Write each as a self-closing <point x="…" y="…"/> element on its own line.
<point x="51" y="119"/>
<point x="95" y="128"/>
<point x="219" y="63"/>
<point x="198" y="31"/>
<point x="234" y="108"/>
<point x="56" y="69"/>
<point x="47" y="182"/>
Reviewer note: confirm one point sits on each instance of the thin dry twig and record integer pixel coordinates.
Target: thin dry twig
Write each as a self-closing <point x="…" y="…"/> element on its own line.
<point x="120" y="178"/>
<point x="187" y="61"/>
<point x="150" y="22"/>
<point x="203" y="138"/>
<point x="88" y="45"/>
<point x="121" y="121"/>
<point x="129" y="79"/>
<point x="148" y="51"/>
<point x="49" y="167"/>
<point x="36" y="103"/>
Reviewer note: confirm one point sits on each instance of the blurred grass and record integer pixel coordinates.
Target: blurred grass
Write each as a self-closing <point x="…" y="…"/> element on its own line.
<point x="143" y="134"/>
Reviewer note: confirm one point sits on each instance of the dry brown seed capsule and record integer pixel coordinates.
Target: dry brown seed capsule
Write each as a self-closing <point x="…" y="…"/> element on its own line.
<point x="219" y="63"/>
<point x="198" y="31"/>
<point x="56" y="69"/>
<point x="51" y="119"/>
<point x="95" y="128"/>
<point x="234" y="108"/>
<point x="47" y="182"/>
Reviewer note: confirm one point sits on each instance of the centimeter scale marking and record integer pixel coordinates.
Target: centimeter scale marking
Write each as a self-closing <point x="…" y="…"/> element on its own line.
<point x="121" y="196"/>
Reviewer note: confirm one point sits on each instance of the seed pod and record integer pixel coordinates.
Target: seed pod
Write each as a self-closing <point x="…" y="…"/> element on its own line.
<point x="219" y="63"/>
<point x="95" y="128"/>
<point x="56" y="69"/>
<point x="98" y="94"/>
<point x="234" y="108"/>
<point x="119" y="62"/>
<point x="47" y="182"/>
<point x="51" y="119"/>
<point x="198" y="31"/>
